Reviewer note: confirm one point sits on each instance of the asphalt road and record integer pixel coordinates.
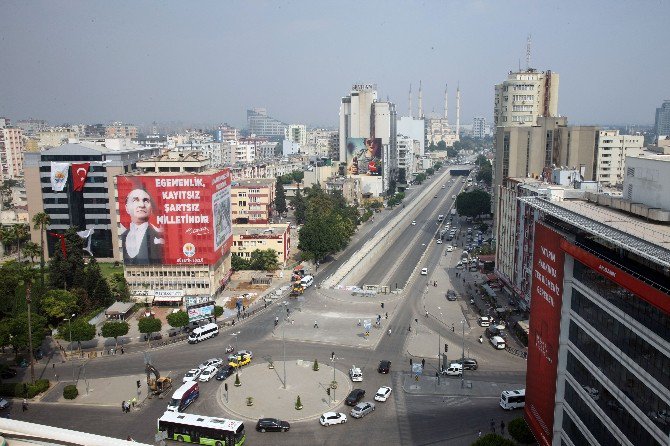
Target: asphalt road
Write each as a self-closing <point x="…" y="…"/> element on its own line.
<point x="406" y="419"/>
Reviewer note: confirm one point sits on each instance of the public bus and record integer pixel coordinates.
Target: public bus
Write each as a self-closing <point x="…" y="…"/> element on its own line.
<point x="184" y="396"/>
<point x="201" y="429"/>
<point x="513" y="399"/>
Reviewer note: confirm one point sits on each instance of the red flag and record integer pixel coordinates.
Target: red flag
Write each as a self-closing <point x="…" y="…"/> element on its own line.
<point x="62" y="242"/>
<point x="79" y="174"/>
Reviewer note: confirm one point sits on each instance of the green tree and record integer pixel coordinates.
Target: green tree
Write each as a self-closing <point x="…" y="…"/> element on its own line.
<point x="437" y="166"/>
<point x="149" y="325"/>
<point x="266" y="260"/>
<point x="481" y="161"/>
<point x="473" y="204"/>
<point x="431" y="147"/>
<point x="40" y="221"/>
<point x="6" y="193"/>
<point x="119" y="287"/>
<point x="178" y="319"/>
<point x="12" y="274"/>
<point x="218" y="311"/>
<point x="493" y="440"/>
<point x="18" y="330"/>
<point x="68" y="271"/>
<point x="280" y="197"/>
<point x="420" y="178"/>
<point x="452" y="152"/>
<point x="21" y="234"/>
<point x="57" y="304"/>
<point x="300" y="212"/>
<point x="114" y="329"/>
<point x="430" y="171"/>
<point x="402" y="176"/>
<point x="519" y="430"/>
<point x="31" y="250"/>
<point x="97" y="287"/>
<point x="485" y="174"/>
<point x="239" y="263"/>
<point x="8" y="237"/>
<point x="298" y="176"/>
<point x="441" y="146"/>
<point x="82" y="331"/>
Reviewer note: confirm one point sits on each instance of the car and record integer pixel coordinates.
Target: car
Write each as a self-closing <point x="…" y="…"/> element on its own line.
<point x="246" y="353"/>
<point x="4" y="404"/>
<point x="240" y="361"/>
<point x="459" y="265"/>
<point x="272" y="425"/>
<point x="8" y="373"/>
<point x="207" y="374"/>
<point x="451" y="295"/>
<point x="443" y="186"/>
<point x="453" y="197"/>
<point x="495" y="331"/>
<point x="384" y="366"/>
<point x="383" y="393"/>
<point x="362" y="409"/>
<point x="484" y="321"/>
<point x="659" y="417"/>
<point x="355" y="374"/>
<point x="450" y="248"/>
<point x="224" y="372"/>
<point x="439" y="241"/>
<point x="468" y="363"/>
<point x="454" y="369"/>
<point x="354" y="397"/>
<point x="424" y="271"/>
<point x="435" y="196"/>
<point x="192" y="375"/>
<point x="216" y="362"/>
<point x="413" y="222"/>
<point x="330" y="418"/>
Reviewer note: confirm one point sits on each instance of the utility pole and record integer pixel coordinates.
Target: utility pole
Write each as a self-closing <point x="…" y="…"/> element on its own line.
<point x="463" y="354"/>
<point x="30" y="336"/>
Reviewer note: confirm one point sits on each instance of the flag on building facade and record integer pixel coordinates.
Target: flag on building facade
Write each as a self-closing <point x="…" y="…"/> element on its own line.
<point x="59" y="176"/>
<point x="79" y="175"/>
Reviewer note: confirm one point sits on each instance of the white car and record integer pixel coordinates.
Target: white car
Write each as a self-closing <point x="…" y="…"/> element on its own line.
<point x="424" y="271"/>
<point x="330" y="418"/>
<point x="192" y="375"/>
<point x="413" y="222"/>
<point x="484" y="321"/>
<point x="4" y="404"/>
<point x="216" y="362"/>
<point x="450" y="248"/>
<point x="208" y="373"/>
<point x="439" y="241"/>
<point x="245" y="353"/>
<point x="355" y="374"/>
<point x="383" y="394"/>
<point x="454" y="369"/>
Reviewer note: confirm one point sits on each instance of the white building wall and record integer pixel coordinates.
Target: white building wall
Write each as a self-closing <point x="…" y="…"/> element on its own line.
<point x="414" y="128"/>
<point x="647" y="181"/>
<point x="612" y="152"/>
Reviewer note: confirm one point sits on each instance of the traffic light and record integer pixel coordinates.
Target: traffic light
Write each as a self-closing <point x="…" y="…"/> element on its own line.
<point x="410" y="362"/>
<point x="328" y="391"/>
<point x="446" y="347"/>
<point x="138" y="384"/>
<point x="225" y="386"/>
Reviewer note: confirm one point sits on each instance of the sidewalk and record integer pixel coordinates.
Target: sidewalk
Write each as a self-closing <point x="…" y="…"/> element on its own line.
<point x="452" y="386"/>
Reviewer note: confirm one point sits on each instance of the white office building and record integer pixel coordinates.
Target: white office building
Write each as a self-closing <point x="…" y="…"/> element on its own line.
<point x="612" y="150"/>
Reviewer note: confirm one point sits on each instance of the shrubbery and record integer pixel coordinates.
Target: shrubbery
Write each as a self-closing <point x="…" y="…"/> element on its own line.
<point x="24" y="390"/>
<point x="519" y="430"/>
<point x="70" y="392"/>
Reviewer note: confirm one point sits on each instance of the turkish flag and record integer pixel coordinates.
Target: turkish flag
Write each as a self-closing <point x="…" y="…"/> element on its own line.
<point x="79" y="173"/>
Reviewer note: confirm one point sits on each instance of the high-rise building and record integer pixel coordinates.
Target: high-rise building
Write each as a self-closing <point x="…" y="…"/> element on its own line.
<point x="355" y="112"/>
<point x="612" y="150"/>
<point x="479" y="129"/>
<point x="11" y="152"/>
<point x="662" y="122"/>
<point x="415" y="129"/>
<point x="260" y="124"/>
<point x="524" y="96"/>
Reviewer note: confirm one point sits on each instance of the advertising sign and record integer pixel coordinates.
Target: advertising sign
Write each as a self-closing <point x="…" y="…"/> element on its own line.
<point x="364" y="156"/>
<point x="174" y="219"/>
<point x="545" y="318"/>
<point x="201" y="311"/>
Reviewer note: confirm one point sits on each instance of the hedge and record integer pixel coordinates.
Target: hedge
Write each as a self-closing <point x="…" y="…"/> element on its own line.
<point x="70" y="392"/>
<point x="24" y="390"/>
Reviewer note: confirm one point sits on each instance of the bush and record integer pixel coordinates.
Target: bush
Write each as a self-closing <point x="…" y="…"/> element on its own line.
<point x="70" y="392"/>
<point x="298" y="403"/>
<point x="237" y="380"/>
<point x="315" y="367"/>
<point x="520" y="431"/>
<point x="493" y="440"/>
<point x="24" y="390"/>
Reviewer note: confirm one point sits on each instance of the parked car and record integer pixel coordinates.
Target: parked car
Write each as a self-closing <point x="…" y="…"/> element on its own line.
<point x="383" y="393"/>
<point x="362" y="409"/>
<point x="246" y="353"/>
<point x="207" y="373"/>
<point x="384" y="366"/>
<point x="484" y="321"/>
<point x="468" y="363"/>
<point x="330" y="418"/>
<point x="451" y="295"/>
<point x="450" y="248"/>
<point x="272" y="425"/>
<point x="192" y="375"/>
<point x="239" y="361"/>
<point x="413" y="222"/>
<point x="354" y="397"/>
<point x="224" y="372"/>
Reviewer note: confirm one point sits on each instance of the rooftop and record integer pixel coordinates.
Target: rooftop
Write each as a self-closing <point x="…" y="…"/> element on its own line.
<point x="650" y="241"/>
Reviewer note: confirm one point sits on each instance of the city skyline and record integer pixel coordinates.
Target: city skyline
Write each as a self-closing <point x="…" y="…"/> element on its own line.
<point x="97" y="62"/>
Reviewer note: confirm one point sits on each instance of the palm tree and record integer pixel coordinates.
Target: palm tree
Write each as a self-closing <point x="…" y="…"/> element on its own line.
<point x="7" y="238"/>
<point x="21" y="233"/>
<point x="40" y="221"/>
<point x="31" y="250"/>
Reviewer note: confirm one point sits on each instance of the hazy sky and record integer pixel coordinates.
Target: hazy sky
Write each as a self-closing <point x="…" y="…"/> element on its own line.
<point x="208" y="61"/>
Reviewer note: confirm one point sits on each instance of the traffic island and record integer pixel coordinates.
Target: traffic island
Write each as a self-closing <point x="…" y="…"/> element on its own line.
<point x="271" y="398"/>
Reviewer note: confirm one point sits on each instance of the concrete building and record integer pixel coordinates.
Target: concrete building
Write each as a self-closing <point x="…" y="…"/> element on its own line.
<point x="350" y="188"/>
<point x="266" y="151"/>
<point x="226" y="132"/>
<point x="120" y="130"/>
<point x="31" y="126"/>
<point x="355" y="114"/>
<point x="265" y="170"/>
<point x="250" y="237"/>
<point x="55" y="138"/>
<point x="479" y="127"/>
<point x="647" y="181"/>
<point x="384" y="122"/>
<point x="612" y="150"/>
<point x="209" y="149"/>
<point x="408" y="154"/>
<point x="94" y="208"/>
<point x="175" y="162"/>
<point x="414" y="128"/>
<point x="296" y="133"/>
<point x="524" y="96"/>
<point x="599" y="358"/>
<point x="252" y="201"/>
<point x="662" y="121"/>
<point x="260" y="124"/>
<point x="11" y="153"/>
<point x="320" y="143"/>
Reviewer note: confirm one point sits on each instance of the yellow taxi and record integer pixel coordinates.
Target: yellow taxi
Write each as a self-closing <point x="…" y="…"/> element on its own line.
<point x="239" y="361"/>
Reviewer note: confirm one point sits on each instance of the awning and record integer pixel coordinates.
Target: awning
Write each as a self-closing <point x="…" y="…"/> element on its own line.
<point x="168" y="298"/>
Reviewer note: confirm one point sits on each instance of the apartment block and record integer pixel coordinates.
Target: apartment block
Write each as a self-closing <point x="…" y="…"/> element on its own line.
<point x="524" y="96"/>
<point x="612" y="150"/>
<point x="250" y="237"/>
<point x="252" y="201"/>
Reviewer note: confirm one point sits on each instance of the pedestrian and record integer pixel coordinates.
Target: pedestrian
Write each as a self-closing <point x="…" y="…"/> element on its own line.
<point x="316" y="325"/>
<point x="435" y="283"/>
<point x="502" y="427"/>
<point x="493" y="426"/>
<point x="123" y="406"/>
<point x="479" y="434"/>
<point x="25" y="405"/>
<point x="122" y="349"/>
<point x="423" y="363"/>
<point x="453" y="329"/>
<point x="409" y="328"/>
<point x="387" y="315"/>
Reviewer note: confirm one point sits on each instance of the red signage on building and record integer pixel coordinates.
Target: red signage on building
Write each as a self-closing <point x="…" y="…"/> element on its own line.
<point x="174" y="219"/>
<point x="544" y="328"/>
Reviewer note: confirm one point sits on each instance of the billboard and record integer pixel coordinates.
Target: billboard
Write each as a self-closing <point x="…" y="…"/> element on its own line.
<point x="174" y="219"/>
<point x="544" y="330"/>
<point x="364" y="156"/>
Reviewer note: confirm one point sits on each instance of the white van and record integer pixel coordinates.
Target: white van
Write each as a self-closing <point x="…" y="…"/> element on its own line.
<point x="201" y="333"/>
<point x="498" y="343"/>
<point x="454" y="369"/>
<point x="307" y="281"/>
<point x="513" y="399"/>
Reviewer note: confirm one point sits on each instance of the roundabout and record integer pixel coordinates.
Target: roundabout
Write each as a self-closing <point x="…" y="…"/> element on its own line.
<point x="262" y="394"/>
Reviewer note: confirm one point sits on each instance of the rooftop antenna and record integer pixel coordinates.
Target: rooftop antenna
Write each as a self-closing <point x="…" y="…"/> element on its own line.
<point x="528" y="42"/>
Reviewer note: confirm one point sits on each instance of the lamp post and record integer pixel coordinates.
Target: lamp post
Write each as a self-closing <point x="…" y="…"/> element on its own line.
<point x="30" y="336"/>
<point x="332" y="361"/>
<point x="463" y="353"/>
<point x="70" y="329"/>
<point x="283" y="338"/>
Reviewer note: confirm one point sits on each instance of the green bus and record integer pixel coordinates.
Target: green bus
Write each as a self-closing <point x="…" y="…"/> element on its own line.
<point x="200" y="429"/>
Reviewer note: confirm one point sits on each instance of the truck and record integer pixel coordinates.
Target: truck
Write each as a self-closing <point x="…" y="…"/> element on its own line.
<point x="453" y="212"/>
<point x="297" y="288"/>
<point x="159" y="384"/>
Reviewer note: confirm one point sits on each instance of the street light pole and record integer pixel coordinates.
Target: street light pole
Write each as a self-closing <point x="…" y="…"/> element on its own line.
<point x="332" y="361"/>
<point x="70" y="329"/>
<point x="283" y="338"/>
<point x="30" y="336"/>
<point x="463" y="354"/>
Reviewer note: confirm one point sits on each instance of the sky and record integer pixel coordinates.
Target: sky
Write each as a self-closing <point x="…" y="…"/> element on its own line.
<point x="207" y="62"/>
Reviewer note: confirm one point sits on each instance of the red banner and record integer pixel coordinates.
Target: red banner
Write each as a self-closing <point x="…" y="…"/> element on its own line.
<point x="544" y="330"/>
<point x="175" y="219"/>
<point x="79" y="174"/>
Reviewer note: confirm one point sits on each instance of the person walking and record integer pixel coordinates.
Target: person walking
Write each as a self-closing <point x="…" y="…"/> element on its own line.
<point x="502" y="427"/>
<point x="479" y="434"/>
<point x="122" y="352"/>
<point x="493" y="426"/>
<point x="24" y="406"/>
<point x="423" y="363"/>
<point x="123" y="406"/>
<point x="316" y="324"/>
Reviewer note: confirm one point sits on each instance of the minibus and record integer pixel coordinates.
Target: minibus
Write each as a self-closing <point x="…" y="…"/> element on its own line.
<point x="201" y="333"/>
